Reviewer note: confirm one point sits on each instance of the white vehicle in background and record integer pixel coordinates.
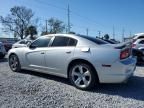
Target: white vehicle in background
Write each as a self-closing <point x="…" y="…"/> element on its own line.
<point x="21" y="43"/>
<point x="138" y="36"/>
<point x="84" y="60"/>
<point x="2" y="50"/>
<point x="138" y="43"/>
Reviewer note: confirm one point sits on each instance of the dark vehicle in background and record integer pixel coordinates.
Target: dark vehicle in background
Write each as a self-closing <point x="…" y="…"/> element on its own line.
<point x="139" y="54"/>
<point x="2" y="50"/>
<point x="8" y="42"/>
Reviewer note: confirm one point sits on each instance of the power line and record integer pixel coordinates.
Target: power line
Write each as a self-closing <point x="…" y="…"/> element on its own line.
<point x="48" y="4"/>
<point x="88" y="19"/>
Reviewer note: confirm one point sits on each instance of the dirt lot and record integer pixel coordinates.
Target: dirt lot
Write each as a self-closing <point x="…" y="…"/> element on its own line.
<point x="31" y="89"/>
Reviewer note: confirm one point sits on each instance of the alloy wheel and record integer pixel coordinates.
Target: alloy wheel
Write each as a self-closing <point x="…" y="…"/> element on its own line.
<point x="81" y="76"/>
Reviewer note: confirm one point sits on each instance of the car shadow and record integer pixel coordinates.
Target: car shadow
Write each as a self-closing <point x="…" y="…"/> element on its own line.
<point x="3" y="60"/>
<point x="140" y="64"/>
<point x="133" y="89"/>
<point x="47" y="76"/>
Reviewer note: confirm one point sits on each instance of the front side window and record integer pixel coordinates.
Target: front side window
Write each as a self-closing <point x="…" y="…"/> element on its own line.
<point x="41" y="42"/>
<point x="64" y="41"/>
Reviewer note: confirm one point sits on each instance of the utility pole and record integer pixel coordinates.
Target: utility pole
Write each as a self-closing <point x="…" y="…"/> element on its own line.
<point x="99" y="34"/>
<point x="123" y="33"/>
<point x="68" y="15"/>
<point x="130" y="34"/>
<point x="46" y="26"/>
<point x="113" y="32"/>
<point x="87" y="31"/>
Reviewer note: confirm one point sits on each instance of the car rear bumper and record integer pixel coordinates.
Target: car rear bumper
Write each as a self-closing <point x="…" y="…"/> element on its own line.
<point x="119" y="72"/>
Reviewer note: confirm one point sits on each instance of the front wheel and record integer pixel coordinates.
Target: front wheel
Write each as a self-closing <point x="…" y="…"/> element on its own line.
<point x="82" y="76"/>
<point x="14" y="63"/>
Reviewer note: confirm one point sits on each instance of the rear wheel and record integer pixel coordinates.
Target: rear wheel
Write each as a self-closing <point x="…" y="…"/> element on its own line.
<point x="14" y="63"/>
<point x="82" y="76"/>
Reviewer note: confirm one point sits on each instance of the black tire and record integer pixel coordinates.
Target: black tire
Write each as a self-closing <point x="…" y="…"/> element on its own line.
<point x="2" y="56"/>
<point x="14" y="65"/>
<point x="92" y="73"/>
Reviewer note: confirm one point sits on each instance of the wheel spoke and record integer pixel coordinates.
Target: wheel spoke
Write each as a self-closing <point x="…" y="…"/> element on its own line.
<point x="81" y="69"/>
<point x="87" y="73"/>
<point x="85" y="81"/>
<point x="76" y="74"/>
<point x="77" y="82"/>
<point x="12" y="65"/>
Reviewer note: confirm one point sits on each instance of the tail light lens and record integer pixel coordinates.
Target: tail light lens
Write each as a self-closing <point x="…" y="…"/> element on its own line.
<point x="125" y="54"/>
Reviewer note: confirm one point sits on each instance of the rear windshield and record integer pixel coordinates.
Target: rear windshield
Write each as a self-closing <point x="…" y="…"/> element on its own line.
<point x="95" y="40"/>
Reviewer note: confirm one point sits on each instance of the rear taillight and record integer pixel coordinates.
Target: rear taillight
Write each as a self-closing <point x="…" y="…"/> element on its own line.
<point x="125" y="53"/>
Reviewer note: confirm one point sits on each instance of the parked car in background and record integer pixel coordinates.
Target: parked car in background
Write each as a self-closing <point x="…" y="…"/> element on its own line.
<point x="139" y="54"/>
<point x="8" y="44"/>
<point x="110" y="41"/>
<point x="84" y="60"/>
<point x="2" y="50"/>
<point x="21" y="43"/>
<point x="138" y="36"/>
<point x="138" y="43"/>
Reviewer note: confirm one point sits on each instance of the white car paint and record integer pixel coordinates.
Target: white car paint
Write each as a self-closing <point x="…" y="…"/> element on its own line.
<point x="55" y="60"/>
<point x="138" y="43"/>
<point x="21" y="43"/>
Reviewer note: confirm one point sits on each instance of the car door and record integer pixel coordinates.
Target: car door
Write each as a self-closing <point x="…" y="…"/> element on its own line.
<point x="35" y="53"/>
<point x="58" y="55"/>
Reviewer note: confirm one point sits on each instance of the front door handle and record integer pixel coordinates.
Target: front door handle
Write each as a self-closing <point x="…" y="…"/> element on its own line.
<point x="68" y="52"/>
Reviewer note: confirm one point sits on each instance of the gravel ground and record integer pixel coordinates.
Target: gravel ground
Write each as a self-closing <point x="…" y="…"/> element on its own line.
<point x="30" y="89"/>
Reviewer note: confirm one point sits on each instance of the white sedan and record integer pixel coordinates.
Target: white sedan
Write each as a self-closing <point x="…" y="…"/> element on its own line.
<point x="86" y="61"/>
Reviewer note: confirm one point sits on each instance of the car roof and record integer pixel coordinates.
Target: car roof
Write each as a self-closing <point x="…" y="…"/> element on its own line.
<point x="138" y="35"/>
<point x="81" y="38"/>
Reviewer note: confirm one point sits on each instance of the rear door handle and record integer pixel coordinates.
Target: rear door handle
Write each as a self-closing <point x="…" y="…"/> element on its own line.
<point x="42" y="53"/>
<point x="68" y="52"/>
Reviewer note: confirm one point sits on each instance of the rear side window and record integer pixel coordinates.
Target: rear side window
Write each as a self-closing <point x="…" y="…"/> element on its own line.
<point x="95" y="40"/>
<point x="60" y="41"/>
<point x="72" y="42"/>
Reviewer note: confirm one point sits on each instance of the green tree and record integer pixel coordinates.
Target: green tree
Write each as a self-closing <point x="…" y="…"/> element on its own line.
<point x="31" y="30"/>
<point x="106" y="36"/>
<point x="55" y="26"/>
<point x="17" y="21"/>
